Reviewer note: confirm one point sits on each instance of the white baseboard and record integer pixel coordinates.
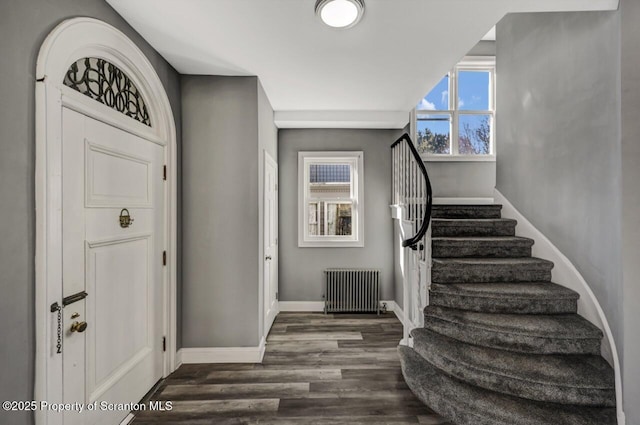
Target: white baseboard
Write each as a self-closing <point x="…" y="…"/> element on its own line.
<point x="301" y="306"/>
<point x="261" y="348"/>
<point x="461" y="201"/>
<point x="566" y="274"/>
<point x="222" y="354"/>
<point x="393" y="306"/>
<point x="128" y="419"/>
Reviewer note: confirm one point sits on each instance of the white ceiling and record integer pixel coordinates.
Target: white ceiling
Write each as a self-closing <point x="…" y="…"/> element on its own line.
<point x="386" y="63"/>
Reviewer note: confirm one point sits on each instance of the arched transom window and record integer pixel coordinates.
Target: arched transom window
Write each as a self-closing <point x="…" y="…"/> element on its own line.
<point x="103" y="81"/>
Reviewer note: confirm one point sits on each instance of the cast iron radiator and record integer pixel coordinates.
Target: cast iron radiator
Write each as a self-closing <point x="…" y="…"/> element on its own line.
<point x="352" y="290"/>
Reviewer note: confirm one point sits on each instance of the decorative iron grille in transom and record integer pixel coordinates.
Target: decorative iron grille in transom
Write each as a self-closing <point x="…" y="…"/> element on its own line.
<point x="103" y="81"/>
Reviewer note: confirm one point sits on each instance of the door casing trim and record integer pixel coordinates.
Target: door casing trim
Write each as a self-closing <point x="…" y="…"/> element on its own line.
<point x="70" y="40"/>
<point x="266" y="322"/>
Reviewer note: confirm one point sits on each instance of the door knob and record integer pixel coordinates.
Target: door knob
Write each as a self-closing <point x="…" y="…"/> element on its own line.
<point x="268" y="257"/>
<point x="78" y="326"/>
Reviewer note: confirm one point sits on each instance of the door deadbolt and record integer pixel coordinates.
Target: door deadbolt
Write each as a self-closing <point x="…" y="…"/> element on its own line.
<point x="125" y="218"/>
<point x="78" y="327"/>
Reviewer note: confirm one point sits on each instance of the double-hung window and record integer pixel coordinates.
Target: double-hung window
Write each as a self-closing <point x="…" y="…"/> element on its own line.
<point x="330" y="199"/>
<point x="455" y="120"/>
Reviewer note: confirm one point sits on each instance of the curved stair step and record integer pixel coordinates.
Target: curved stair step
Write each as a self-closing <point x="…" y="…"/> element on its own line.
<point x="586" y="380"/>
<point x="473" y="227"/>
<point x="466" y="404"/>
<point x="515" y="298"/>
<point x="466" y="211"/>
<point x="463" y="270"/>
<point x="481" y="246"/>
<point x="539" y="334"/>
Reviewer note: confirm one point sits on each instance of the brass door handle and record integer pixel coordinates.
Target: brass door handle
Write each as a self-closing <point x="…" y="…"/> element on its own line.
<point x="125" y="218"/>
<point x="78" y="326"/>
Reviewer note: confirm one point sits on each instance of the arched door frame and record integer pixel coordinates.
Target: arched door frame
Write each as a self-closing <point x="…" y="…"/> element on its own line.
<point x="71" y="40"/>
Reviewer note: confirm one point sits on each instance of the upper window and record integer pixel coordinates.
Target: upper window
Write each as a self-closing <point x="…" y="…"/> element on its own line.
<point x="456" y="118"/>
<point x="330" y="199"/>
<point x="103" y="81"/>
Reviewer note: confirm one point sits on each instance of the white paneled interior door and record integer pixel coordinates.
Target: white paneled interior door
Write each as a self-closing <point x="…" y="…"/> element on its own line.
<point x="270" y="241"/>
<point x="118" y="357"/>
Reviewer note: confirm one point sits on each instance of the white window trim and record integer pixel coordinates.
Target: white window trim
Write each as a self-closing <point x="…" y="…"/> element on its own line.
<point x="356" y="240"/>
<point x="468" y="63"/>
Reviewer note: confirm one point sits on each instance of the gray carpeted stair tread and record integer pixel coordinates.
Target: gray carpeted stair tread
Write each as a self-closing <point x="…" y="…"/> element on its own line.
<point x="525" y="290"/>
<point x="473" y="227"/>
<point x="466" y="211"/>
<point x="542" y="334"/>
<point x="481" y="246"/>
<point x="529" y="262"/>
<point x="475" y="269"/>
<point x="579" y="379"/>
<point x="516" y="298"/>
<point x="466" y="404"/>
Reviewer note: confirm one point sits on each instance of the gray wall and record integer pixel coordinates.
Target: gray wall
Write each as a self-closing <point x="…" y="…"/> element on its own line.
<point x="630" y="74"/>
<point x="472" y="179"/>
<point x="301" y="269"/>
<point x="23" y="27"/>
<point x="220" y="211"/>
<point x="558" y="127"/>
<point x="483" y="48"/>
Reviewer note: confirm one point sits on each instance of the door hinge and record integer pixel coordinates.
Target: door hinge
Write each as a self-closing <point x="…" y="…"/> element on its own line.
<point x="164" y="343"/>
<point x="276" y="295"/>
<point x="164" y="172"/>
<point x="164" y="258"/>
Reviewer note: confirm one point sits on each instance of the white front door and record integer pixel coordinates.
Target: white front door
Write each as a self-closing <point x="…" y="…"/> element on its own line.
<point x="270" y="241"/>
<point x="118" y="357"/>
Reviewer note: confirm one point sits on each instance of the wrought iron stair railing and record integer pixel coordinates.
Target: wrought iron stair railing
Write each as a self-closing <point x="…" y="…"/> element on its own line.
<point x="411" y="189"/>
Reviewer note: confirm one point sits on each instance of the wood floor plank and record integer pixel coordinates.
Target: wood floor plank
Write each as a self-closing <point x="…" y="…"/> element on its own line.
<point x="195" y="409"/>
<point x="400" y="395"/>
<point x="332" y="358"/>
<point x="301" y="346"/>
<point x="361" y="406"/>
<point x="315" y="336"/>
<point x="358" y="322"/>
<point x="433" y="419"/>
<point x="378" y="374"/>
<point x="369" y="341"/>
<point x="336" y="369"/>
<point x="320" y="365"/>
<point x="195" y="370"/>
<point x="235" y="391"/>
<point x="360" y="386"/>
<point x="300" y="420"/>
<point x="274" y="375"/>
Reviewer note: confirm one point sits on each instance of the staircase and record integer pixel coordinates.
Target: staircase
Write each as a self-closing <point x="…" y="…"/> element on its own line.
<point x="501" y="343"/>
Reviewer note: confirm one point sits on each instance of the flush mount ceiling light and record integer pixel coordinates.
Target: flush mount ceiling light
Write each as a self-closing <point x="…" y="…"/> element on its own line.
<point x="340" y="13"/>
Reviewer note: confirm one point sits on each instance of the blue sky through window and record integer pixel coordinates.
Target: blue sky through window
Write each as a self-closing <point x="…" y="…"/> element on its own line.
<point x="437" y="98"/>
<point x="436" y="123"/>
<point x="473" y="90"/>
<point x="473" y="93"/>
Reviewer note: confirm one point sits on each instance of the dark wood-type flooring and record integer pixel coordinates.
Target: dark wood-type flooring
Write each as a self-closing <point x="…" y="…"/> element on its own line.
<point x="317" y="369"/>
